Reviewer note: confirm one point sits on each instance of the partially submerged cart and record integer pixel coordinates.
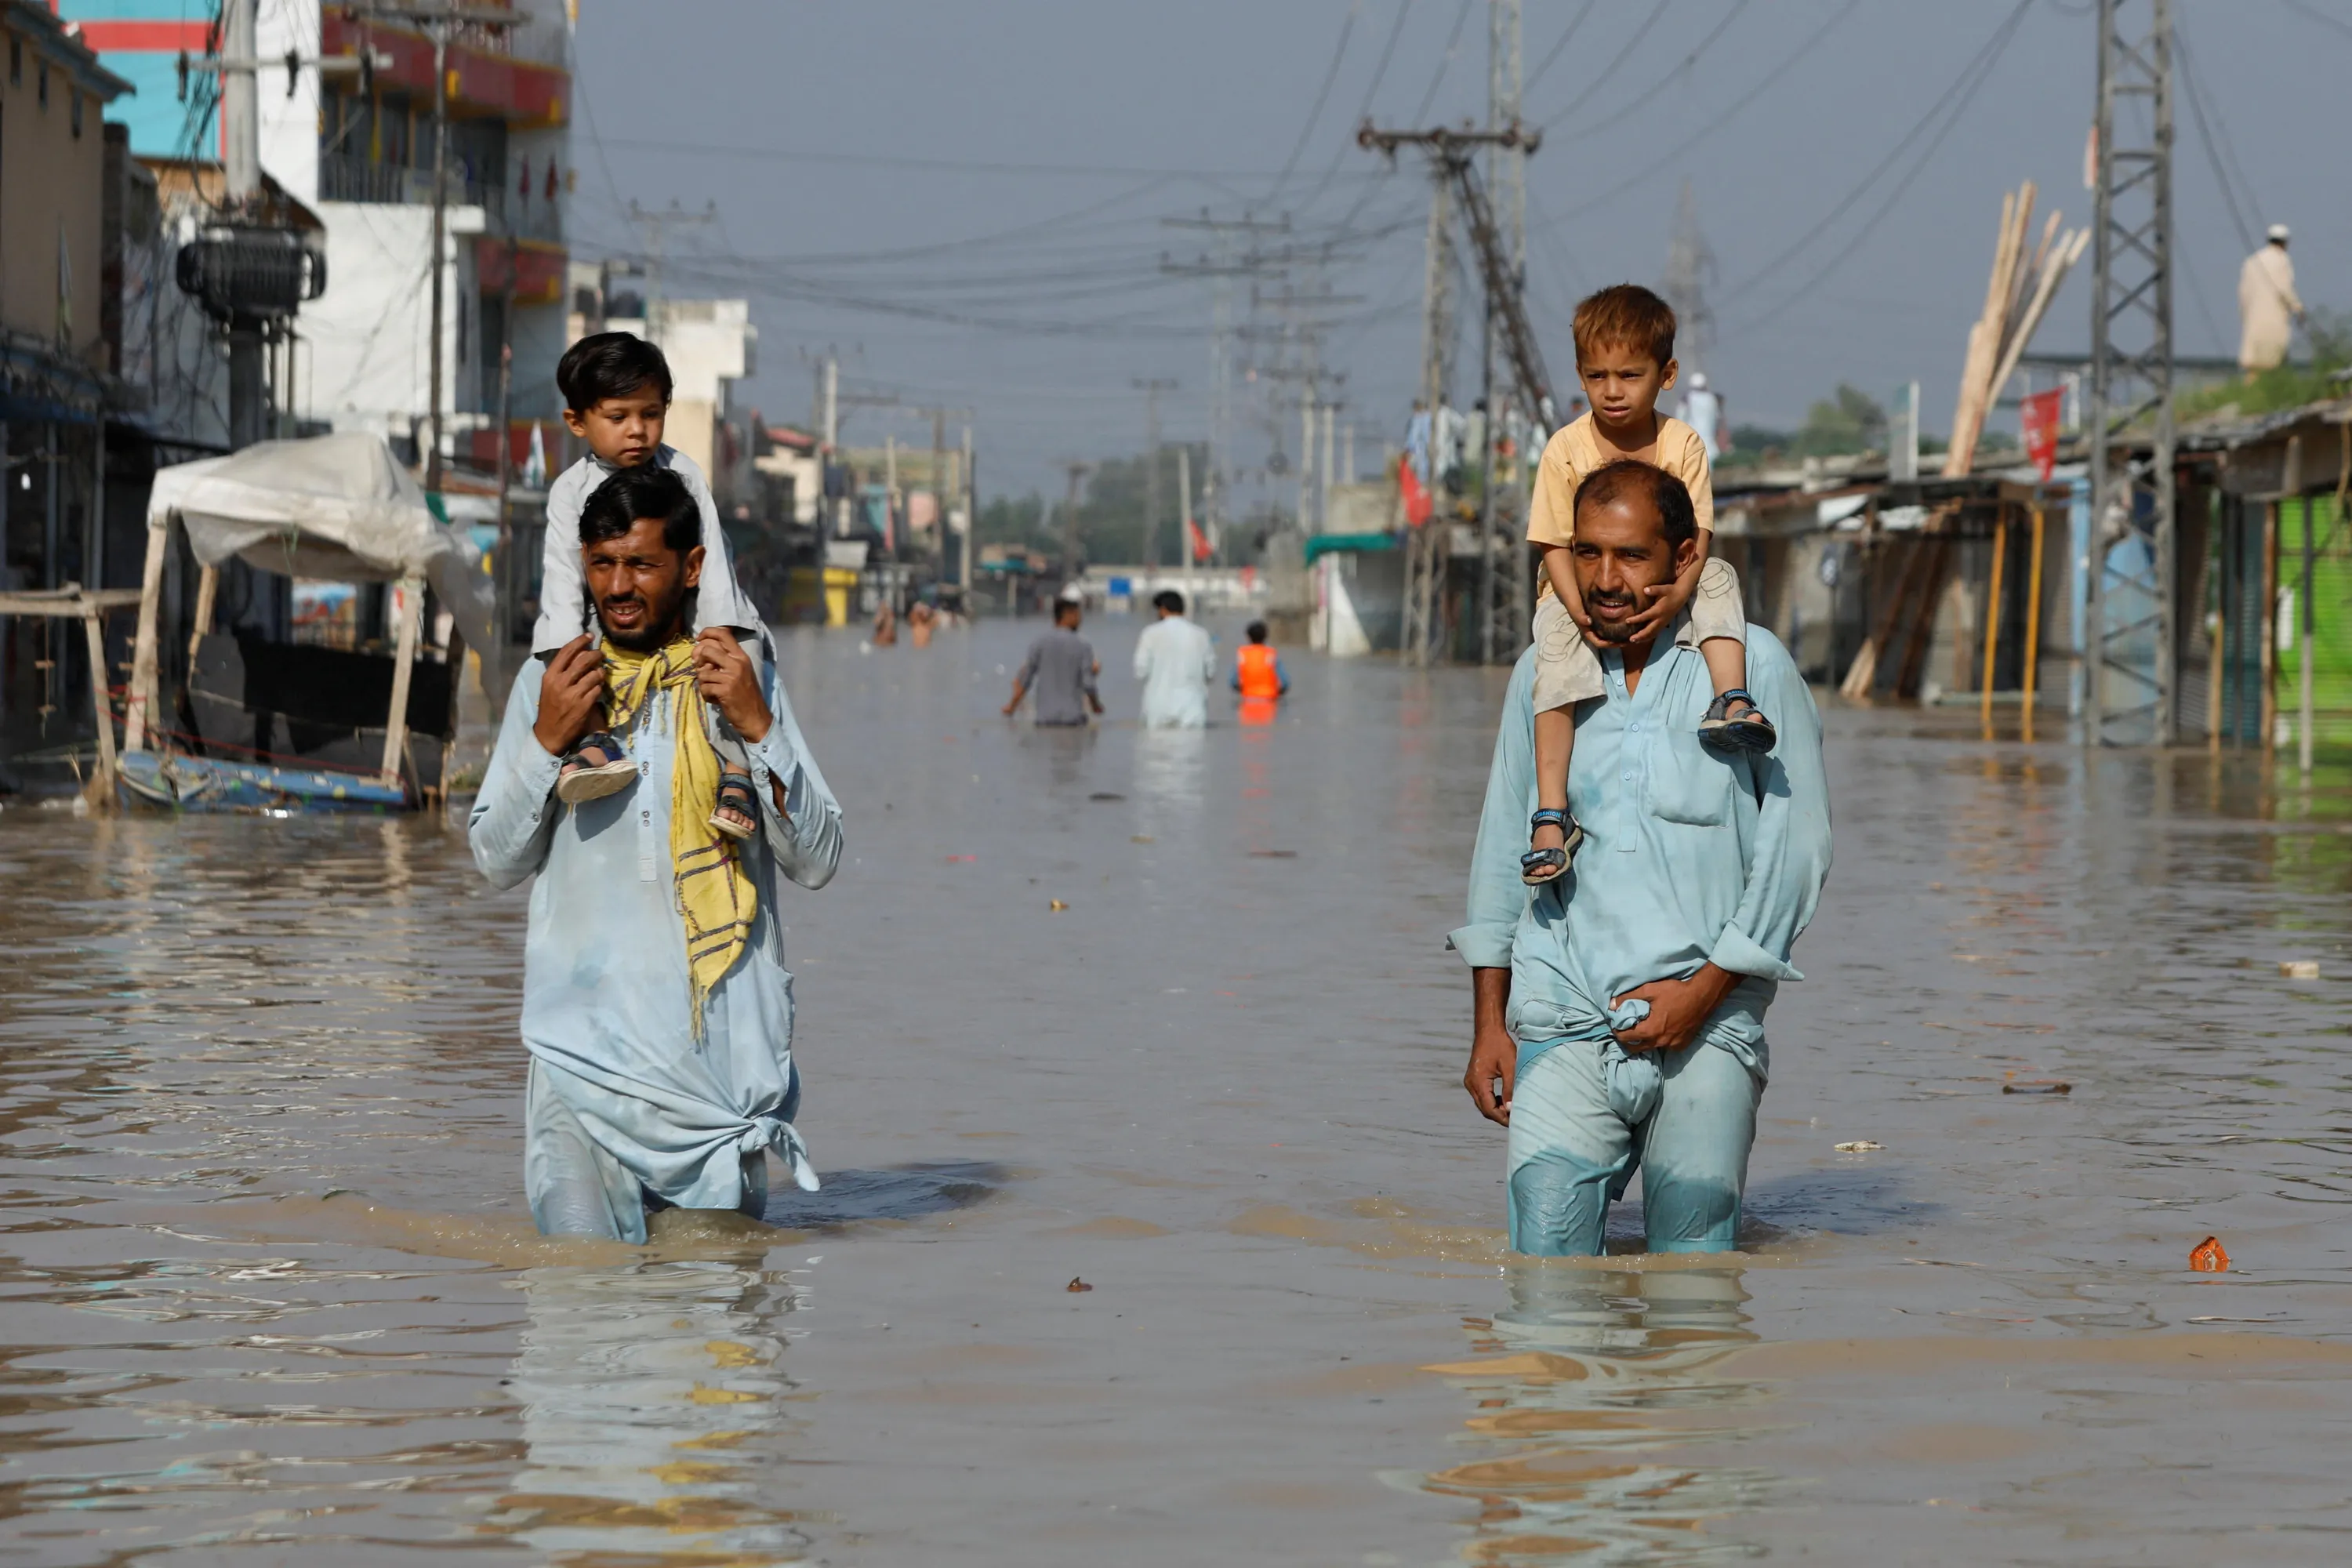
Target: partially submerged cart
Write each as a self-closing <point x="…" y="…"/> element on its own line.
<point x="290" y="726"/>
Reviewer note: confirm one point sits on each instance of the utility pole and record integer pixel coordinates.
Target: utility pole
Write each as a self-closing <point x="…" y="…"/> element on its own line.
<point x="1510" y="343"/>
<point x="1151" y="390"/>
<point x="1184" y="520"/>
<point x="1221" y="271"/>
<point x="1690" y="268"/>
<point x="657" y="225"/>
<point x="1502" y="509"/>
<point x="437" y="19"/>
<point x="1073" y="567"/>
<point x="2131" y="379"/>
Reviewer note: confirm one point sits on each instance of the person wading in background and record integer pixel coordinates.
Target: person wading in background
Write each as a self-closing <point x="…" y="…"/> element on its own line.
<point x="1060" y="668"/>
<point x="1175" y="659"/>
<point x="1258" y="676"/>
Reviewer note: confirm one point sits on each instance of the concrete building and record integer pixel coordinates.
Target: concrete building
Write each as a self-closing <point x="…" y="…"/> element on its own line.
<point x="60" y="342"/>
<point x="360" y="151"/>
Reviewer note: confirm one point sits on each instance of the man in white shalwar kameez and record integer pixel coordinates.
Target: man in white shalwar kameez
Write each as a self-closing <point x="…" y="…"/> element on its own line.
<point x="2268" y="306"/>
<point x="1176" y="661"/>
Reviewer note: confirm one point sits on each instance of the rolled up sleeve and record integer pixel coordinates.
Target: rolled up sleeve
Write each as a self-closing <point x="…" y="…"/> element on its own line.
<point x="1789" y="859"/>
<point x="1497" y="897"/>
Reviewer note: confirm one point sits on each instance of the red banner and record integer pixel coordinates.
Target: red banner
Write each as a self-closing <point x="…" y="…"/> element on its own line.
<point x="2039" y="415"/>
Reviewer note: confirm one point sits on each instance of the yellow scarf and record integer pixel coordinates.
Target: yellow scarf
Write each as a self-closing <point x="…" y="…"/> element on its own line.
<point x="714" y="893"/>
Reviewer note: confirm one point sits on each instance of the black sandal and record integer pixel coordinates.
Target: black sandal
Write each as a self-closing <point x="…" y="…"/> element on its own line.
<point x="1749" y="732"/>
<point x="735" y="794"/>
<point x="1538" y="867"/>
<point x="597" y="766"/>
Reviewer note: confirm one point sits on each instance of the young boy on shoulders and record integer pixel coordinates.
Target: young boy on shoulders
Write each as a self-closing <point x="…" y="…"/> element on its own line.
<point x="1624" y="361"/>
<point x="617" y="391"/>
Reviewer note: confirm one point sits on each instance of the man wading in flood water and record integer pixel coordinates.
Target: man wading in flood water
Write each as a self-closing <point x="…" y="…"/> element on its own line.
<point x="655" y="1004"/>
<point x="1620" y="1009"/>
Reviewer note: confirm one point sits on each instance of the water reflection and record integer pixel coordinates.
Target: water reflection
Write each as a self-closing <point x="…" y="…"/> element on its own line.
<point x="654" y="1416"/>
<point x="1590" y="1382"/>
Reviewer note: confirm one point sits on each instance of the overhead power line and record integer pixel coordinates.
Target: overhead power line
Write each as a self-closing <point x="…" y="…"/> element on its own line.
<point x="1347" y="30"/>
<point x="1764" y="84"/>
<point x="1657" y="13"/>
<point x="1947" y="107"/>
<point x="1656" y="90"/>
<point x="1553" y="53"/>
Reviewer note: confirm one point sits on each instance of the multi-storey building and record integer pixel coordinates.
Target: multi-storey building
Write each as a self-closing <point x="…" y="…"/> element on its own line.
<point x="357" y="148"/>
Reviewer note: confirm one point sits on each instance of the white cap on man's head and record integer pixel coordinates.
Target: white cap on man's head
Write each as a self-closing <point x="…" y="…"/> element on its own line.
<point x="1071" y="593"/>
<point x="1698" y="381"/>
<point x="2278" y="234"/>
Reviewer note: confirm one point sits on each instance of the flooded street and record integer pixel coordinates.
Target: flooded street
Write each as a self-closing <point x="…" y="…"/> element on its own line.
<point x="269" y="1293"/>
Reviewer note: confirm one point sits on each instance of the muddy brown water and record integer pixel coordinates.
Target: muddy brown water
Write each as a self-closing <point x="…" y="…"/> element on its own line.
<point x="268" y="1293"/>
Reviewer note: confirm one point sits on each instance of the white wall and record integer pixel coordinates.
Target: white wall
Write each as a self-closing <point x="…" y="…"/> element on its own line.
<point x="370" y="334"/>
<point x="289" y="126"/>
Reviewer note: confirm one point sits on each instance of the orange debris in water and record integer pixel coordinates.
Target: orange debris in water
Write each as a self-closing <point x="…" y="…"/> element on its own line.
<point x="2208" y="1257"/>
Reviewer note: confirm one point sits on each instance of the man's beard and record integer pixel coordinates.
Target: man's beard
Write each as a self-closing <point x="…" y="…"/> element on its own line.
<point x="657" y="631"/>
<point x="1613" y="631"/>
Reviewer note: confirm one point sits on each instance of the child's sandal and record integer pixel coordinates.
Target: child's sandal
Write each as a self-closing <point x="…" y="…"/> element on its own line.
<point x="736" y="795"/>
<point x="1538" y="867"/>
<point x="594" y="768"/>
<point x="1745" y="732"/>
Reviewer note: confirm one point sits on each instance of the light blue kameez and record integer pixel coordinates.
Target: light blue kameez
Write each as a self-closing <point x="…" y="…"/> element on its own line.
<point x="1689" y="856"/>
<point x="625" y="1105"/>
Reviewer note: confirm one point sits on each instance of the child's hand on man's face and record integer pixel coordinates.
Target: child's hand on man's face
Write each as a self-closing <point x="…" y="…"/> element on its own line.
<point x="1668" y="601"/>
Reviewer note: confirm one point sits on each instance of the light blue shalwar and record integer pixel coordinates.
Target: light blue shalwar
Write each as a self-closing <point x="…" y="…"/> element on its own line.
<point x="625" y="1106"/>
<point x="1688" y="857"/>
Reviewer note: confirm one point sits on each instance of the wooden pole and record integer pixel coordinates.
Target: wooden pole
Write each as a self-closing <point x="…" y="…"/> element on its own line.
<point x="395" y="727"/>
<point x="2033" y="630"/>
<point x="2306" y="624"/>
<point x="101" y="788"/>
<point x="207" y="592"/>
<point x="1992" y="621"/>
<point x="142" y="702"/>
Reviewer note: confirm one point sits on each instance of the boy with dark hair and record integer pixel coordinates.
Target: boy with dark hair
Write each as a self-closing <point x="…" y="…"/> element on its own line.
<point x="1624" y="360"/>
<point x="617" y="391"/>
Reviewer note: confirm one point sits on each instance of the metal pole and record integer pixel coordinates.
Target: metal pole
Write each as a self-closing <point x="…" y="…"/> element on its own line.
<point x="440" y="241"/>
<point x="1184" y="520"/>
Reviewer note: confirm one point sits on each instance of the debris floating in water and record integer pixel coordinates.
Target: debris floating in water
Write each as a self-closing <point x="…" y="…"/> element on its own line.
<point x="2038" y="1086"/>
<point x="2208" y="1256"/>
<point x="1077" y="1285"/>
<point x="1859" y="1146"/>
<point x="1057" y="906"/>
<point x="2299" y="968"/>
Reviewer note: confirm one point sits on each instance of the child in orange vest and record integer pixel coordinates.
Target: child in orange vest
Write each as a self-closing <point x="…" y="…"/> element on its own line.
<point x="1259" y="677"/>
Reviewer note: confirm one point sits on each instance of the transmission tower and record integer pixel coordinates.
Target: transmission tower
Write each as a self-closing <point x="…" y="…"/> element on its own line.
<point x="1221" y="269"/>
<point x="1690" y="269"/>
<point x="2131" y="697"/>
<point x="1507" y="600"/>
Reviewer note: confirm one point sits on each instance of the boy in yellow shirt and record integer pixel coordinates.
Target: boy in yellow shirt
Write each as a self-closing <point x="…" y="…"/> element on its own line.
<point x="1626" y="358"/>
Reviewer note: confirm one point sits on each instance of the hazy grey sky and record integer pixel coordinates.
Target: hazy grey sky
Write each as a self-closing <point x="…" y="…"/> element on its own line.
<point x="967" y="200"/>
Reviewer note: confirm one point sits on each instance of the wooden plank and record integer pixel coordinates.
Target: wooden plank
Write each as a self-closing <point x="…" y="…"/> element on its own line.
<point x="75" y="604"/>
<point x="143" y="650"/>
<point x="1992" y="622"/>
<point x="101" y="788"/>
<point x="395" y="729"/>
<point x="207" y="594"/>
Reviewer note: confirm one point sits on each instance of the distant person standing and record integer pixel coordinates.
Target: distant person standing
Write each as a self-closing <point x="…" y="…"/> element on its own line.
<point x="1175" y="659"/>
<point x="1703" y="412"/>
<point x="1258" y="676"/>
<point x="2268" y="306"/>
<point x="1060" y="669"/>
